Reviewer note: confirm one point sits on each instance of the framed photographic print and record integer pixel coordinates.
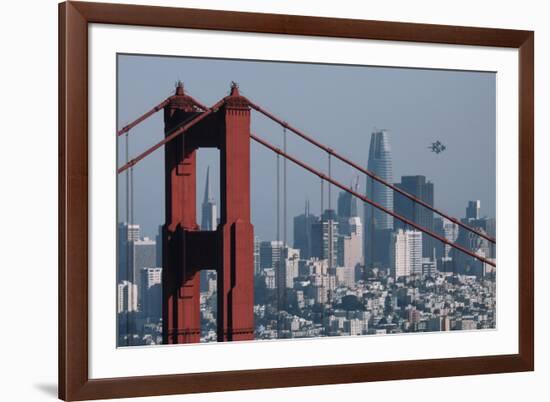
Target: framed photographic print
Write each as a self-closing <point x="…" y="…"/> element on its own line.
<point x="259" y="200"/>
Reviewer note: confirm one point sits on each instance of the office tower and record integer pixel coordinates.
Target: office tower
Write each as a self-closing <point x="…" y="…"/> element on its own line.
<point x="463" y="263"/>
<point x="151" y="276"/>
<point x="350" y="247"/>
<point x="270" y="253"/>
<point x="126" y="234"/>
<point x="429" y="265"/>
<point x="302" y="231"/>
<point x="378" y="225"/>
<point x="257" y="267"/>
<point x="289" y="270"/>
<point x="270" y="278"/>
<point x="424" y="190"/>
<point x="406" y="253"/>
<point x="151" y="292"/>
<point x="129" y="232"/>
<point x="209" y="217"/>
<point x="472" y="210"/>
<point x="347" y="208"/>
<point x="325" y="238"/>
<point x="127" y="294"/>
<point x="142" y="255"/>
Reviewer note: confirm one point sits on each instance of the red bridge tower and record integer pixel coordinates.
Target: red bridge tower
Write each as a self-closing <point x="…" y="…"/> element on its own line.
<point x="229" y="249"/>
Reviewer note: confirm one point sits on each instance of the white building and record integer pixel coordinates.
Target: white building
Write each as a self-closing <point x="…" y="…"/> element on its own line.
<point x="127" y="297"/>
<point x="406" y="253"/>
<point x="151" y="277"/>
<point x="291" y="267"/>
<point x="450" y="232"/>
<point x="353" y="326"/>
<point x="345" y="276"/>
<point x="352" y="245"/>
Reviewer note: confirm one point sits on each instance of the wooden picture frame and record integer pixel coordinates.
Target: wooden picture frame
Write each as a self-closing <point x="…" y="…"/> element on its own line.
<point x="74" y="381"/>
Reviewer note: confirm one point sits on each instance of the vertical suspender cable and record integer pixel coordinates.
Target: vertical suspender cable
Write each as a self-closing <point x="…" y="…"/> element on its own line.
<point x="329" y="184"/>
<point x="322" y="276"/>
<point x="279" y="249"/>
<point x="322" y="197"/>
<point x="127" y="232"/>
<point x="284" y="221"/>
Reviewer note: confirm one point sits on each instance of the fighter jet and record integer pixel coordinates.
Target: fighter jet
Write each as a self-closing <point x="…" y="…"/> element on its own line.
<point x="437" y="147"/>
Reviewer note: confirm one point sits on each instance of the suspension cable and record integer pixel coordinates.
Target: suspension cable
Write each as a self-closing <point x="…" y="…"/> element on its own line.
<point x="371" y="202"/>
<point x="367" y="172"/>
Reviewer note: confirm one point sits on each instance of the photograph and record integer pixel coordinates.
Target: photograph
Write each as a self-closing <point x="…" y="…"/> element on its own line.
<point x="270" y="200"/>
<point x="266" y="201"/>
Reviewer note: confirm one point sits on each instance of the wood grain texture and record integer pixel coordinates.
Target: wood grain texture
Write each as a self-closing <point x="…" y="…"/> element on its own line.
<point x="74" y="18"/>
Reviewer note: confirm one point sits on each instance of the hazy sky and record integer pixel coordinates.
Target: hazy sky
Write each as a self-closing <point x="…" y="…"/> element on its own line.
<point x="339" y="106"/>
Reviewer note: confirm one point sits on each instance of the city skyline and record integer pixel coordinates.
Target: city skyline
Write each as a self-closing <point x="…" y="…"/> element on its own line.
<point x="292" y="252"/>
<point x="416" y="106"/>
<point x="331" y="248"/>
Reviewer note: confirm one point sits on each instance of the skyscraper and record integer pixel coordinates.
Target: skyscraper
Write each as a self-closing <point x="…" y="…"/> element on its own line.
<point x="406" y="253"/>
<point x="271" y="254"/>
<point x="347" y="208"/>
<point x="325" y="238"/>
<point x="127" y="297"/>
<point x="472" y="210"/>
<point x="209" y="216"/>
<point x="467" y="264"/>
<point x="257" y="267"/>
<point x="350" y="247"/>
<point x="142" y="255"/>
<point x="424" y="190"/>
<point x="127" y="234"/>
<point x="302" y="231"/>
<point x="151" y="292"/>
<point x="378" y="224"/>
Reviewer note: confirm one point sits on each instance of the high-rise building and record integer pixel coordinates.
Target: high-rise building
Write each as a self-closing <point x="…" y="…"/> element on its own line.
<point x="127" y="294"/>
<point x="450" y="232"/>
<point x="429" y="265"/>
<point x="127" y="234"/>
<point x="151" y="276"/>
<point x="271" y="253"/>
<point x="463" y="263"/>
<point x="302" y="232"/>
<point x="209" y="216"/>
<point x="424" y="190"/>
<point x="347" y="208"/>
<point x="142" y="255"/>
<point x="257" y="267"/>
<point x="472" y="210"/>
<point x="350" y="247"/>
<point x="151" y="292"/>
<point x="325" y="238"/>
<point x="289" y="270"/>
<point x="406" y="253"/>
<point x="378" y="224"/>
